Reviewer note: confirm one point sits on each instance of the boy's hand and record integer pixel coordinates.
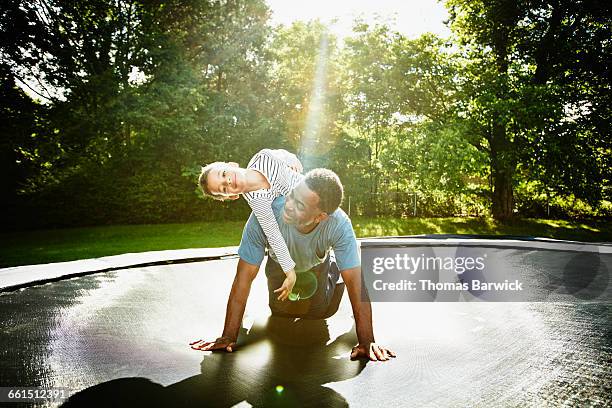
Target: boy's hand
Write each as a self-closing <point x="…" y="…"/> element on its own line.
<point x="288" y="284"/>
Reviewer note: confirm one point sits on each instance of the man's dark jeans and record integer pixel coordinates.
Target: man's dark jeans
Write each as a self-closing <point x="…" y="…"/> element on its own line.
<point x="325" y="301"/>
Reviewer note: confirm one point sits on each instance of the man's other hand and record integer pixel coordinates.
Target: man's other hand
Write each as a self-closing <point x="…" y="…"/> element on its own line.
<point x="372" y="351"/>
<point x="221" y="343"/>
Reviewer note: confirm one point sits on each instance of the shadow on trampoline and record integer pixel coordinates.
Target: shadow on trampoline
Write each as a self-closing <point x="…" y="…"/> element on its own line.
<point x="284" y="362"/>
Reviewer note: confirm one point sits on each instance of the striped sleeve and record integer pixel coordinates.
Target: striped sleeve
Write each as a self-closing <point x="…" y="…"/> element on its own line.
<point x="267" y="165"/>
<point x="261" y="204"/>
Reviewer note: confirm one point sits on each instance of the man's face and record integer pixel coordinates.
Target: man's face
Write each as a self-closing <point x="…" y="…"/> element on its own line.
<point x="302" y="208"/>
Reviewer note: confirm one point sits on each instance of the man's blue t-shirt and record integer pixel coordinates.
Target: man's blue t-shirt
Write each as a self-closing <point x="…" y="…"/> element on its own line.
<point x="307" y="250"/>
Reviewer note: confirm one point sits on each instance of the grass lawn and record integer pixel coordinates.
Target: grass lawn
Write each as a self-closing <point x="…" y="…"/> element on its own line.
<point x="45" y="246"/>
<point x="589" y="231"/>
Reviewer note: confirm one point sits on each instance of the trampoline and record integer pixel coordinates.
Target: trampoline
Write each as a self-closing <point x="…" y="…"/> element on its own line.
<point x="120" y="336"/>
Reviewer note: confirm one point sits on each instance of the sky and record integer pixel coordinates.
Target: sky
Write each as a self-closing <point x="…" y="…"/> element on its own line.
<point x="410" y="17"/>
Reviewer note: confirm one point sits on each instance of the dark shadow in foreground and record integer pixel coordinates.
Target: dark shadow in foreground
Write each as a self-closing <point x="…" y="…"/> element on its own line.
<point x="282" y="363"/>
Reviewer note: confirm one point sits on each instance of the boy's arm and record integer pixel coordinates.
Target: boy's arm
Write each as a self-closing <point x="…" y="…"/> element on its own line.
<point x="262" y="208"/>
<point x="261" y="203"/>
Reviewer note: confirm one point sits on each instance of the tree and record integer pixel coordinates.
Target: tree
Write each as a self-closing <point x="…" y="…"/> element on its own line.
<point x="434" y="151"/>
<point x="370" y="111"/>
<point x="138" y="95"/>
<point x="527" y="64"/>
<point x="304" y="79"/>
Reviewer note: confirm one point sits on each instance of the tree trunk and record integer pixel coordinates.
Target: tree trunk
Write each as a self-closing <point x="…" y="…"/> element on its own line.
<point x="503" y="163"/>
<point x="502" y="172"/>
<point x="503" y="195"/>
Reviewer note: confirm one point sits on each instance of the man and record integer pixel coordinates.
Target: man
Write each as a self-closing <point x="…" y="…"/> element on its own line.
<point x="311" y="224"/>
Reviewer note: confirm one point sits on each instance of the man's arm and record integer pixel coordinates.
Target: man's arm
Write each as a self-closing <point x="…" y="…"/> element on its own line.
<point x="236" y="303"/>
<point x="251" y="252"/>
<point x="362" y="311"/>
<point x="346" y="250"/>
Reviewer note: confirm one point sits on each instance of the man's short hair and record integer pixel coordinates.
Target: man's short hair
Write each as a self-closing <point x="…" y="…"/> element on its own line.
<point x="328" y="187"/>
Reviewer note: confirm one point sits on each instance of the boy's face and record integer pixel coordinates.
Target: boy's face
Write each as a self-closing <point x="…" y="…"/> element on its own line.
<point x="226" y="179"/>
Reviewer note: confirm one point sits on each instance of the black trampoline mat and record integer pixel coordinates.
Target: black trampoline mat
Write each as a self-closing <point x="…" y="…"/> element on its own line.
<point x="122" y="337"/>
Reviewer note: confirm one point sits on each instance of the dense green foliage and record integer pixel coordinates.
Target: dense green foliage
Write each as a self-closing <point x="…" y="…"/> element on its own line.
<point x="126" y="100"/>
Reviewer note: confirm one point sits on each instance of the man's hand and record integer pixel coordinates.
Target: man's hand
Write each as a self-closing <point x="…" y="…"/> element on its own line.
<point x="372" y="351"/>
<point x="221" y="343"/>
<point x="287" y="286"/>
